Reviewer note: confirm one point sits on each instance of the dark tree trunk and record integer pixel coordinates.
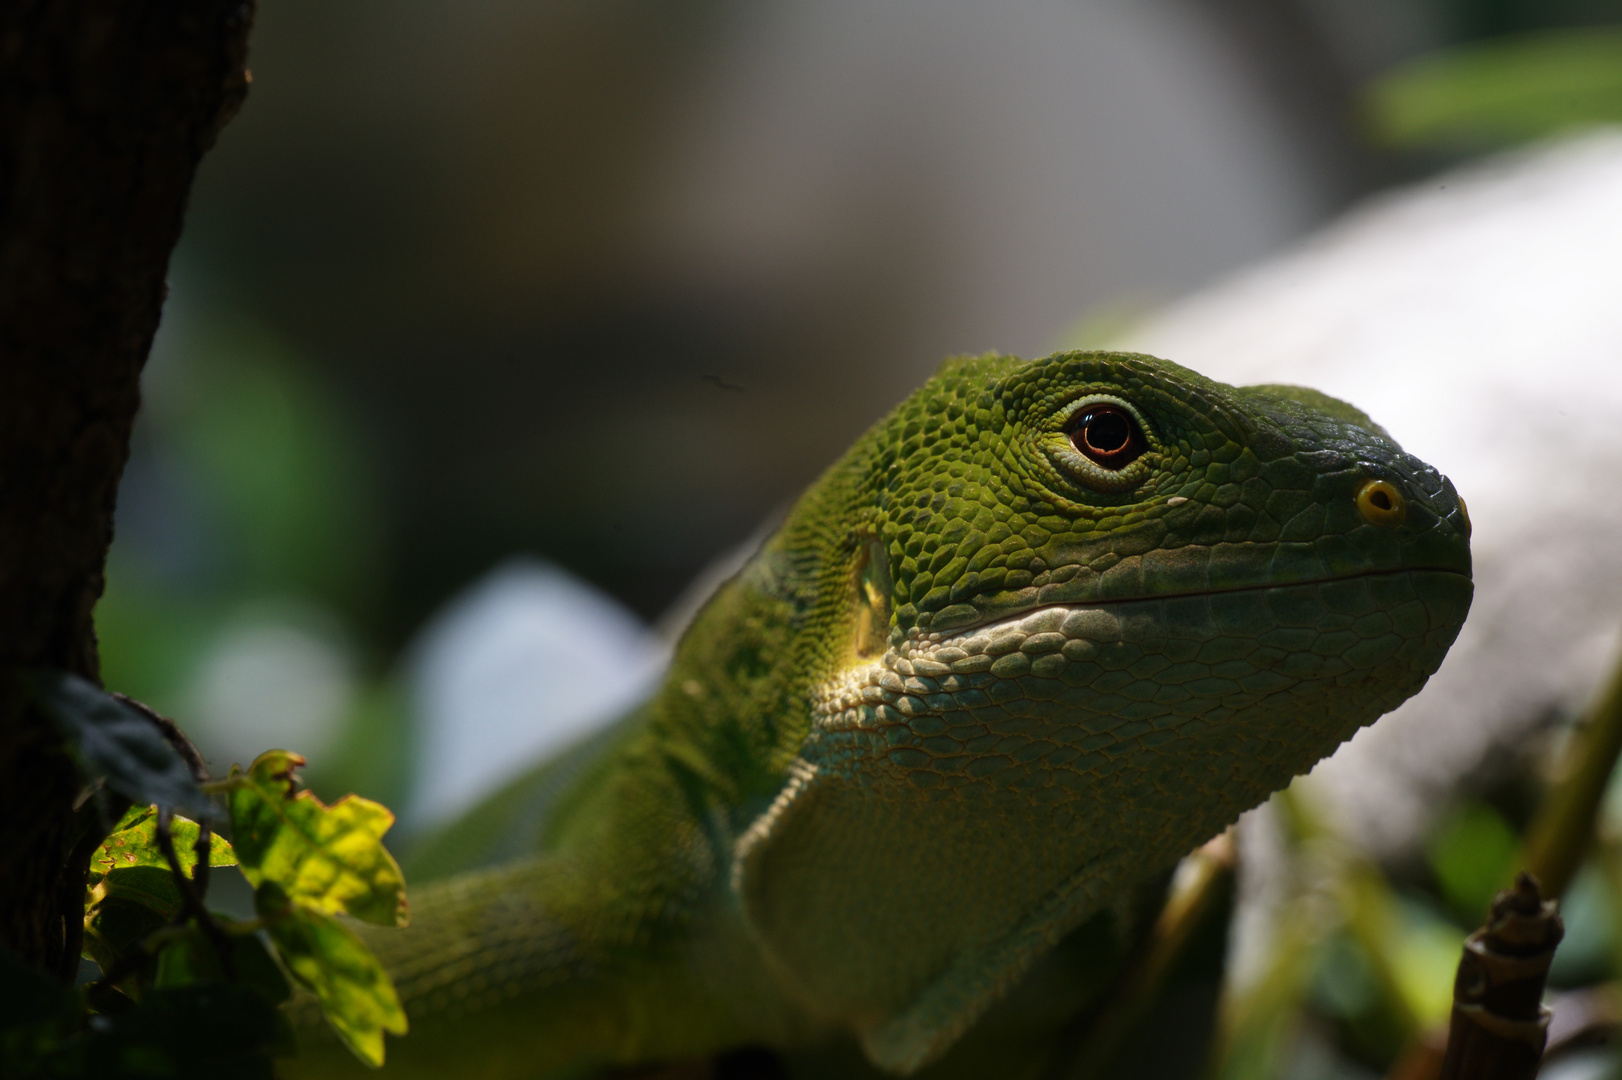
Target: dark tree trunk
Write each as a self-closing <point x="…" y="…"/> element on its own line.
<point x="106" y="106"/>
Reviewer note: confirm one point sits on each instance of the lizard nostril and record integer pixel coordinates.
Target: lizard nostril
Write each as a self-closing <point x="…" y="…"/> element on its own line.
<point x="1381" y="504"/>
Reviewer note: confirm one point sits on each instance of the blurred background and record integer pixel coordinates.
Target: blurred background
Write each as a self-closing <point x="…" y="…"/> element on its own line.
<point x="493" y="310"/>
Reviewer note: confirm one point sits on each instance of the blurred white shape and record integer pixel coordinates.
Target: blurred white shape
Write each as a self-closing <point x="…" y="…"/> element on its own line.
<point x="1478" y="317"/>
<point x="522" y="663"/>
<point x="280" y="677"/>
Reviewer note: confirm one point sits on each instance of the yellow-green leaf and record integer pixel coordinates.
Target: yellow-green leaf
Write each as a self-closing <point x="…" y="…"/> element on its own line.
<point x="328" y="958"/>
<point x="128" y="905"/>
<point x="132" y="890"/>
<point x="134" y="842"/>
<point x="153" y="887"/>
<point x="330" y="858"/>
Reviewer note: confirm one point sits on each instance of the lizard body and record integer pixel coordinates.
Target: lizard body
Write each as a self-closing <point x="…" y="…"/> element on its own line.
<point x="1045" y="628"/>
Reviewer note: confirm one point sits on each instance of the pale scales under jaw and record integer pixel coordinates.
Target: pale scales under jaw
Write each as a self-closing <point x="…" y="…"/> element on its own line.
<point x="935" y="673"/>
<point x="928" y="675"/>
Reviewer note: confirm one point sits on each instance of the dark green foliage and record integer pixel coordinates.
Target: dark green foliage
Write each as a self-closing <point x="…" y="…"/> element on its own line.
<point x="185" y="993"/>
<point x="199" y="1030"/>
<point x="114" y="741"/>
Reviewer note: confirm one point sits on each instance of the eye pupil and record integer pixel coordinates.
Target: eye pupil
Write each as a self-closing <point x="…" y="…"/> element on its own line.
<point x="1108" y="436"/>
<point x="1106" y="432"/>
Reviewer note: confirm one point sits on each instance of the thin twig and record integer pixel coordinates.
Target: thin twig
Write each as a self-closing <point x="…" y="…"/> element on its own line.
<point x="170" y="731"/>
<point x="1558" y="838"/>
<point x="1499" y="1024"/>
<point x="191" y="900"/>
<point x="193" y="889"/>
<point x="199" y="771"/>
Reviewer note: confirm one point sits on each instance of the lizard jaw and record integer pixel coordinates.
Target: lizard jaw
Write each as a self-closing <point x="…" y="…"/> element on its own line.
<point x="939" y="673"/>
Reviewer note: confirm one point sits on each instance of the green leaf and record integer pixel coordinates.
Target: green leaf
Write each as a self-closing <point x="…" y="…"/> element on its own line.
<point x="114" y="928"/>
<point x="188" y="959"/>
<point x="133" y="891"/>
<point x="1499" y="91"/>
<point x="329" y="959"/>
<point x="257" y="969"/>
<point x="134" y="842"/>
<point x="330" y="858"/>
<point x="192" y="958"/>
<point x="152" y="887"/>
<point x="129" y="902"/>
<point x="115" y="741"/>
<point x="125" y="907"/>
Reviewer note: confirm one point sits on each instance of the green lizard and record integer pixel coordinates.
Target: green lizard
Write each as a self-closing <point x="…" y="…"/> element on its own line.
<point x="1045" y="628"/>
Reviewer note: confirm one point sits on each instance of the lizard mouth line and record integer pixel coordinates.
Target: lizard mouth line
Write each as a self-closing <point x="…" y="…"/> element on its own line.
<point x="979" y="627"/>
<point x="937" y="673"/>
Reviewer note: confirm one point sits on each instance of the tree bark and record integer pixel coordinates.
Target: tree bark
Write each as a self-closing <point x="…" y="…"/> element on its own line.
<point x="106" y="107"/>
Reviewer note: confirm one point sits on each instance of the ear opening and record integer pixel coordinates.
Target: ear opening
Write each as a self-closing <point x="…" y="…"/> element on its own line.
<point x="874" y="588"/>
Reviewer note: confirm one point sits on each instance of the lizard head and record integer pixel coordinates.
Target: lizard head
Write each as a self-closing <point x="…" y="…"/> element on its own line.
<point x="1005" y="486"/>
<point x="1123" y="555"/>
<point x="1071" y="616"/>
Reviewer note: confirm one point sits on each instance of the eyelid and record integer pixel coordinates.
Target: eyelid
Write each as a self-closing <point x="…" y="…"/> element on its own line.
<point x="1085" y="401"/>
<point x="1069" y="412"/>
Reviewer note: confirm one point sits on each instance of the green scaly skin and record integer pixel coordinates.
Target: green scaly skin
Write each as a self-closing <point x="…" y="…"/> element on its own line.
<point x="974" y="694"/>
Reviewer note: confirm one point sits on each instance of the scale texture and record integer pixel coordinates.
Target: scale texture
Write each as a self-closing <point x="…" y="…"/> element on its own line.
<point x="943" y="734"/>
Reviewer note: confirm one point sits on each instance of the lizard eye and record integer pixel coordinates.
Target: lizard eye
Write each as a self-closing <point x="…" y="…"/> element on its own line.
<point x="1107" y="435"/>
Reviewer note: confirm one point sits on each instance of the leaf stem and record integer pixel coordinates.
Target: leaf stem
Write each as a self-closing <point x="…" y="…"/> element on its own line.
<point x="190" y="896"/>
